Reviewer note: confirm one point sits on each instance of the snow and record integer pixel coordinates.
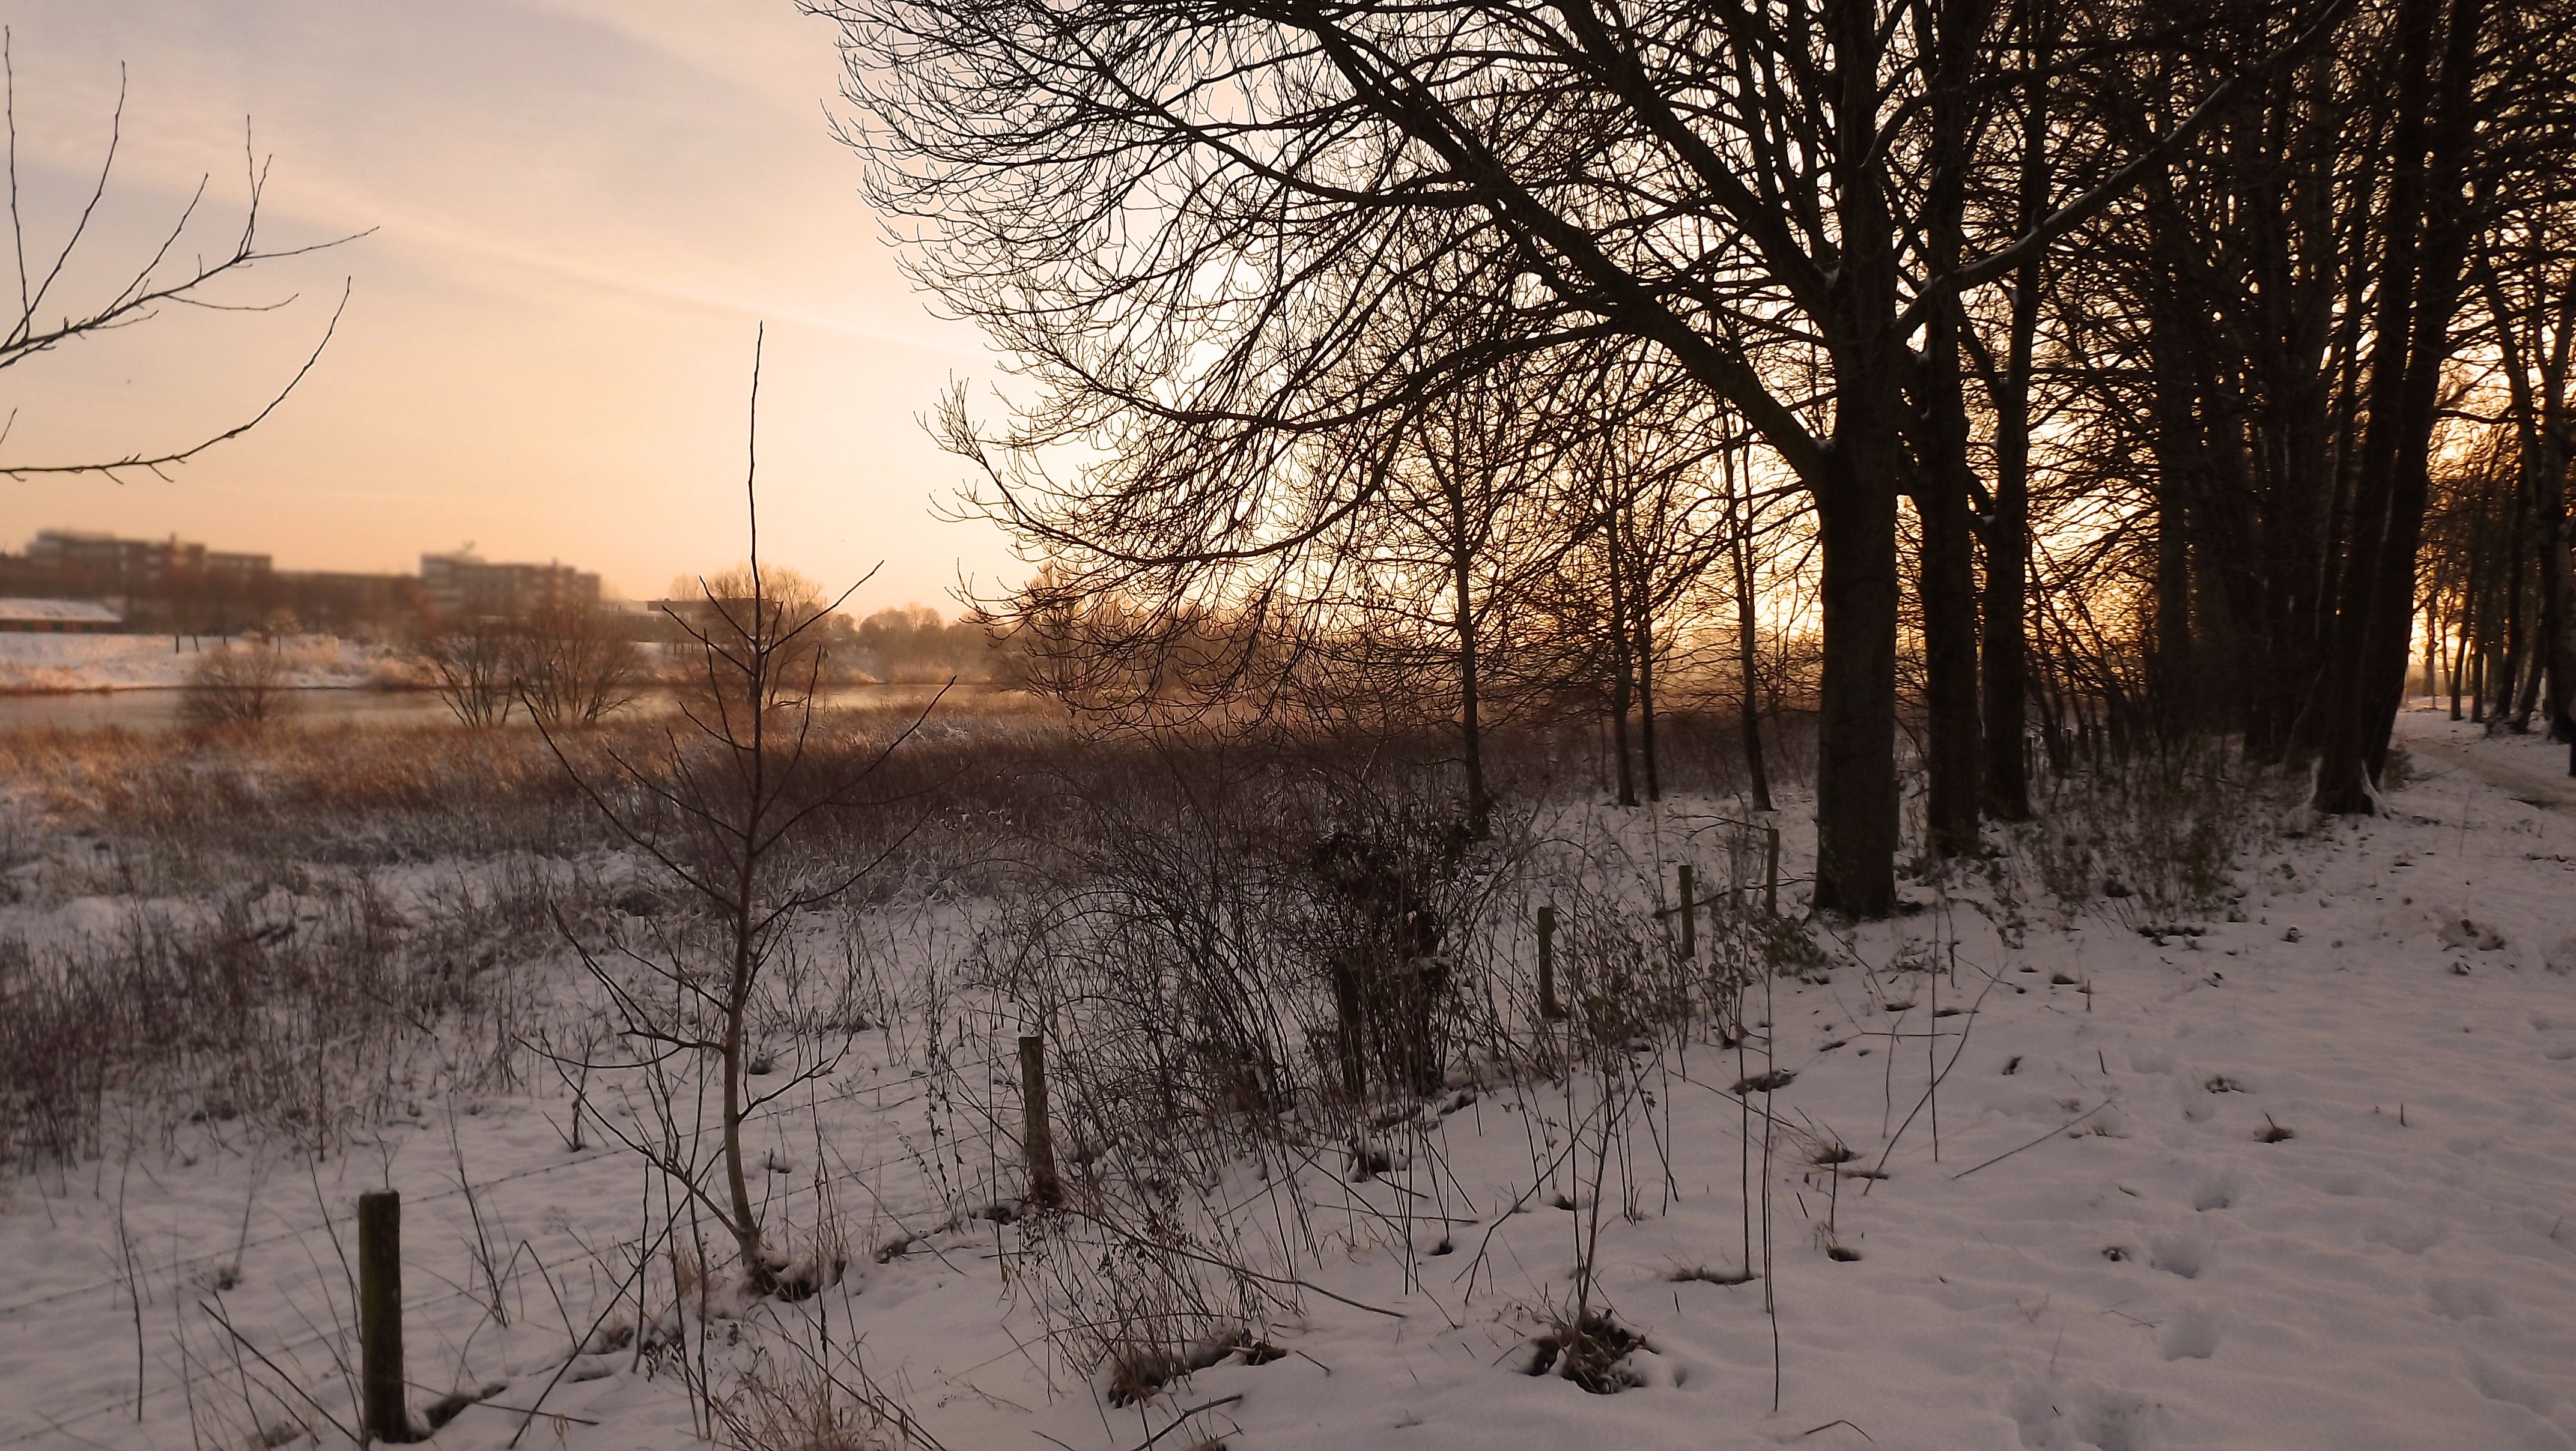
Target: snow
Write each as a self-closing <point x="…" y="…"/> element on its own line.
<point x="42" y="662"/>
<point x="2300" y="1180"/>
<point x="86" y="612"/>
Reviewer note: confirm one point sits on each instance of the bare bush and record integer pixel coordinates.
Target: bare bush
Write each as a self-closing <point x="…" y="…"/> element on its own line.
<point x="800" y="1413"/>
<point x="477" y="665"/>
<point x="1287" y="959"/>
<point x="575" y="665"/>
<point x="237" y="689"/>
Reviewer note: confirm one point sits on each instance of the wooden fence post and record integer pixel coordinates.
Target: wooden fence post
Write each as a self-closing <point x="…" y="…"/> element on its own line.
<point x="1045" y="1190"/>
<point x="380" y="1316"/>
<point x="1548" y="1007"/>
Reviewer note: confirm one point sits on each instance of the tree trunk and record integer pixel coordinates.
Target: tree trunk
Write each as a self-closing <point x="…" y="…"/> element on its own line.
<point x="1471" y="742"/>
<point x="2559" y="580"/>
<point x="1622" y="682"/>
<point x="2515" y="637"/>
<point x="1856" y="802"/>
<point x="1949" y="593"/>
<point x="2173" y="674"/>
<point x="2449" y="226"/>
<point x="1748" y="674"/>
<point x="2424" y="241"/>
<point x="2006" y="663"/>
<point x="2433" y="650"/>
<point x="1619" y="736"/>
<point x="2463" y="655"/>
<point x="1856" y="799"/>
<point x="746" y="1225"/>
<point x="2006" y="679"/>
<point x="2550" y="449"/>
<point x="1646" y="705"/>
<point x="1947" y="579"/>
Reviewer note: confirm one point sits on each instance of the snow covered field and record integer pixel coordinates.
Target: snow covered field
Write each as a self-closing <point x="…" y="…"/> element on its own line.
<point x="2296" y="1170"/>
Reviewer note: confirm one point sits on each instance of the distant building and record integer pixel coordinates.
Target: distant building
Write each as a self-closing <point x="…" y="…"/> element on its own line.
<point x="58" y="617"/>
<point x="464" y="586"/>
<point x="142" y="566"/>
<point x="175" y="585"/>
<point x="244" y="568"/>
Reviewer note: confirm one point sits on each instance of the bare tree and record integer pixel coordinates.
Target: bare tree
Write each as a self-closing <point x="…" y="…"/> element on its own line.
<point x="721" y="811"/>
<point x="1192" y="225"/>
<point x="237" y="687"/>
<point x="46" y="321"/>
<point x="2259" y="348"/>
<point x="2526" y="278"/>
<point x="1465" y="522"/>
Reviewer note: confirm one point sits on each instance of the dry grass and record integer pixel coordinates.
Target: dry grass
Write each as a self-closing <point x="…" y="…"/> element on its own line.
<point x="810" y="1409"/>
<point x="306" y="1012"/>
<point x="313" y="927"/>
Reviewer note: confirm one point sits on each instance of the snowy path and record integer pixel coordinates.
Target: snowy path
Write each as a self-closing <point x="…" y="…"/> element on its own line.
<point x="2526" y="768"/>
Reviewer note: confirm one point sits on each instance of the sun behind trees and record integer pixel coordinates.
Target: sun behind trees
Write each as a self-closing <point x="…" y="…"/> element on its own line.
<point x="2100" y="349"/>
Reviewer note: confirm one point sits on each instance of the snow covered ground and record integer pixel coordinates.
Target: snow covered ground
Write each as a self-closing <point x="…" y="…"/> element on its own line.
<point x="2303" y="1179"/>
<point x="33" y="662"/>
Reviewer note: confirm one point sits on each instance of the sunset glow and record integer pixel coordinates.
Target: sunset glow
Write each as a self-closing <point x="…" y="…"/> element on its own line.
<point x="576" y="213"/>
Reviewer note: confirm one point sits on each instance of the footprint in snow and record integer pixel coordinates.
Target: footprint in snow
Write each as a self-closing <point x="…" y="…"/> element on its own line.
<point x="2404" y="1235"/>
<point x="2456" y="1299"/>
<point x="2087" y="1417"/>
<point x="2561" y="1043"/>
<point x="2178" y="1254"/>
<point x="2497" y="1383"/>
<point x="2193" y="1334"/>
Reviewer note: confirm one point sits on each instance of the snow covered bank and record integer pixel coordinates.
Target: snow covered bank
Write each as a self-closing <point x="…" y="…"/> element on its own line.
<point x="43" y="663"/>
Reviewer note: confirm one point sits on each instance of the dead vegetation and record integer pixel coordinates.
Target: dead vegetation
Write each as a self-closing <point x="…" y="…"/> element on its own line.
<point x="1270" y="975"/>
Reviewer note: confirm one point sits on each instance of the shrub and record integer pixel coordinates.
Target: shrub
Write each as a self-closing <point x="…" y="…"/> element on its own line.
<point x="477" y="665"/>
<point x="575" y="665"/>
<point x="236" y="689"/>
<point x="2155" y="832"/>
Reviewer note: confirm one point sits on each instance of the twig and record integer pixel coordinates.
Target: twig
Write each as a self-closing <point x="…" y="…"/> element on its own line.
<point x="244" y="1342"/>
<point x="643" y="1257"/>
<point x="2035" y="1143"/>
<point x="1184" y="1416"/>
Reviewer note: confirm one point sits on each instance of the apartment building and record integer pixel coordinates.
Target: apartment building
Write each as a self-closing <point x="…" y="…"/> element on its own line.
<point x="463" y="585"/>
<point x="142" y="566"/>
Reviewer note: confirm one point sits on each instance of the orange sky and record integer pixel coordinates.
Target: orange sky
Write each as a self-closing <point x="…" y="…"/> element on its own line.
<point x="582" y="209"/>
